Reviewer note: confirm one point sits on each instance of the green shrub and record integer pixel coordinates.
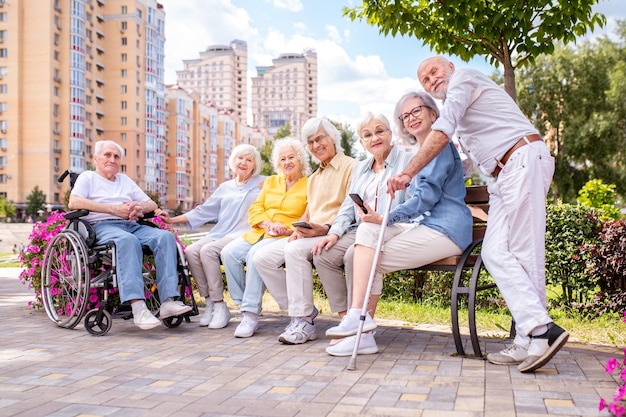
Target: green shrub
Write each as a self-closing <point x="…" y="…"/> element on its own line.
<point x="598" y="195"/>
<point x="568" y="228"/>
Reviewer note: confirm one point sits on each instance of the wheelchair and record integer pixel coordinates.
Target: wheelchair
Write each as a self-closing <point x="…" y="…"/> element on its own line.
<point x="79" y="277"/>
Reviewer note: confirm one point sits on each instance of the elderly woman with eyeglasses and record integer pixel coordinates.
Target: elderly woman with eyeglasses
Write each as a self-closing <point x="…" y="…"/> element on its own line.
<point x="432" y="223"/>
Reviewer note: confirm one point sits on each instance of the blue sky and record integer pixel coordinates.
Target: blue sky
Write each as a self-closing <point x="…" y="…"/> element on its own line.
<point x="359" y="69"/>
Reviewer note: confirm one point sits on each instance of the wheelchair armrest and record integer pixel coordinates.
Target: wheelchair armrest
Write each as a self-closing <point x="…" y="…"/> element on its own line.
<point x="76" y="214"/>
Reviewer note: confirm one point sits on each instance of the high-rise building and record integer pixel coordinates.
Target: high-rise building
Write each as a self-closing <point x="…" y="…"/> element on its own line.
<point x="74" y="72"/>
<point x="285" y="92"/>
<point x="219" y="77"/>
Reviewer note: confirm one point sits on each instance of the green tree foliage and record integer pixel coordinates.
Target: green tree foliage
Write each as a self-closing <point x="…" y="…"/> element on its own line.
<point x="575" y="98"/>
<point x="348" y="137"/>
<point x="509" y="32"/>
<point x="7" y="209"/>
<point x="35" y="201"/>
<point x="596" y="194"/>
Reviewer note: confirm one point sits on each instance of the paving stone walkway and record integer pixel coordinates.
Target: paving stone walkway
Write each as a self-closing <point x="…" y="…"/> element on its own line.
<point x="193" y="371"/>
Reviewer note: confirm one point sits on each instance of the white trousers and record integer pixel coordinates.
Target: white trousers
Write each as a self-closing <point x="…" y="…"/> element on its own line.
<point x="405" y="246"/>
<point x="292" y="285"/>
<point x="514" y="245"/>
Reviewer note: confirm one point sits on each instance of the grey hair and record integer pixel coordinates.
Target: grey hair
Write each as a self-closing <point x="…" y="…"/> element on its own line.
<point x="245" y="149"/>
<point x="369" y="117"/>
<point x="313" y="125"/>
<point x="404" y="136"/>
<point x="296" y="145"/>
<point x="101" y="143"/>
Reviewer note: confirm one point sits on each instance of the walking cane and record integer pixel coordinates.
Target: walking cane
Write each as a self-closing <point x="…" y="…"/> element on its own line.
<point x="379" y="246"/>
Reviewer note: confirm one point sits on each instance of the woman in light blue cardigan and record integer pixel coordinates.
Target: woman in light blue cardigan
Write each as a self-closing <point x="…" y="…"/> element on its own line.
<point x="228" y="206"/>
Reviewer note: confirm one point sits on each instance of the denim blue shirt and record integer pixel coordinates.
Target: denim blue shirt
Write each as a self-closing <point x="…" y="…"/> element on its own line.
<point x="438" y="199"/>
<point x="347" y="219"/>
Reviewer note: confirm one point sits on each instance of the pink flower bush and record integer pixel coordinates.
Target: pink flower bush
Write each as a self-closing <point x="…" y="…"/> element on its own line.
<point x="617" y="405"/>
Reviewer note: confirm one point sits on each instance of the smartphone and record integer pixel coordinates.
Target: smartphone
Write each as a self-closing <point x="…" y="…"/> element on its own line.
<point x="359" y="202"/>
<point x="301" y="224"/>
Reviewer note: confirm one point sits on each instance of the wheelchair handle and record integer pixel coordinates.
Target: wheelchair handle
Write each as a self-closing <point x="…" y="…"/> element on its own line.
<point x="65" y="174"/>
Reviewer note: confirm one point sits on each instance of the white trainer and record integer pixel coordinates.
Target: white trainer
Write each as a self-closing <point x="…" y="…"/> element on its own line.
<point x="367" y="346"/>
<point x="510" y="355"/>
<point x="145" y="320"/>
<point x="171" y="308"/>
<point x="221" y="316"/>
<point x="349" y="325"/>
<point x="208" y="314"/>
<point x="249" y="324"/>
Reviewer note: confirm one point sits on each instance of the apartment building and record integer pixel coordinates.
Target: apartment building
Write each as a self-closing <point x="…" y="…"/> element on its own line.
<point x="219" y="77"/>
<point x="285" y="92"/>
<point x="74" y="72"/>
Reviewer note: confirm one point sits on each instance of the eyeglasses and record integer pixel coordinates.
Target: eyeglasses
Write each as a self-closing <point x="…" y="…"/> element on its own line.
<point x="378" y="132"/>
<point x="318" y="139"/>
<point x="416" y="112"/>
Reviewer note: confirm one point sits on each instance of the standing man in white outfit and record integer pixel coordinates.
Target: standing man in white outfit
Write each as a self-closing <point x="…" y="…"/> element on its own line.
<point x="502" y="143"/>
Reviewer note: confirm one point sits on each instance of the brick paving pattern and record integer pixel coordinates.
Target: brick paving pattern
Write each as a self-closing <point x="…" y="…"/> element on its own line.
<point x="191" y="371"/>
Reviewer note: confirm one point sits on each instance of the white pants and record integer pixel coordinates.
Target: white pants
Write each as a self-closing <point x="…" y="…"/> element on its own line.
<point x="514" y="245"/>
<point x="292" y="285"/>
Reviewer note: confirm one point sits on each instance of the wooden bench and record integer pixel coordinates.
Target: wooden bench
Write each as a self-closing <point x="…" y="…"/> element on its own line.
<point x="468" y="263"/>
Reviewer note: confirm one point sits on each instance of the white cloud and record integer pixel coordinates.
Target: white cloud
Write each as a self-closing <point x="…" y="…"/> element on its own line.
<point x="291" y="5"/>
<point x="333" y="33"/>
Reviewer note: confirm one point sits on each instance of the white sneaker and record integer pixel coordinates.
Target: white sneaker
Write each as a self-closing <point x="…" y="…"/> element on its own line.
<point x="221" y="316"/>
<point x="249" y="324"/>
<point x="367" y="346"/>
<point x="510" y="355"/>
<point x="145" y="320"/>
<point x="171" y="308"/>
<point x="299" y="332"/>
<point x="349" y="325"/>
<point x="543" y="347"/>
<point x="208" y="314"/>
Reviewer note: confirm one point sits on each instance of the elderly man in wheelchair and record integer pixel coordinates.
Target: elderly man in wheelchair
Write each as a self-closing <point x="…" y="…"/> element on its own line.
<point x="115" y="203"/>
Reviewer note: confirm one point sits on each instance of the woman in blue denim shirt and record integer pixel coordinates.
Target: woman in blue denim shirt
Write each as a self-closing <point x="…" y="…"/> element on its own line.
<point x="433" y="223"/>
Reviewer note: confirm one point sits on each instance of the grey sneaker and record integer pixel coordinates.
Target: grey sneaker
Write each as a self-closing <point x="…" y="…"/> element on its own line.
<point x="511" y="355"/>
<point x="543" y="347"/>
<point x="299" y="332"/>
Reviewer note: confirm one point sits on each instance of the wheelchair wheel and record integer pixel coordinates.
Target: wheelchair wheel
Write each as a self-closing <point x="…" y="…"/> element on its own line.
<point x="98" y="322"/>
<point x="65" y="279"/>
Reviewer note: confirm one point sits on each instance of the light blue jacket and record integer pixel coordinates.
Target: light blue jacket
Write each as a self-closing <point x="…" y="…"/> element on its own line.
<point x="438" y="199"/>
<point x="228" y="206"/>
<point x="347" y="220"/>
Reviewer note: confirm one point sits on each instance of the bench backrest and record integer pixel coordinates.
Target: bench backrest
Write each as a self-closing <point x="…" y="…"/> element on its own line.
<point x="477" y="199"/>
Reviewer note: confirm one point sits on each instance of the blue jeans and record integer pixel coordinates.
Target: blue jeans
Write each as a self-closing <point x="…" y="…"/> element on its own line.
<point x="245" y="288"/>
<point x="128" y="238"/>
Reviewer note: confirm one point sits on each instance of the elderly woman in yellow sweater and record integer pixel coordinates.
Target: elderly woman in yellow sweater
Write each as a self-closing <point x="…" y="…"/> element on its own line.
<point x="281" y="202"/>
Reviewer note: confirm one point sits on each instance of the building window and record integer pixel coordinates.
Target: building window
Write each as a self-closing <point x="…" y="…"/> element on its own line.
<point x="124" y="89"/>
<point x="3" y="88"/>
<point x="124" y="9"/>
<point x="124" y="41"/>
<point x="123" y="73"/>
<point x="124" y="57"/>
<point x="3" y="52"/>
<point x="123" y="105"/>
<point x="3" y="17"/>
<point x="123" y="121"/>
